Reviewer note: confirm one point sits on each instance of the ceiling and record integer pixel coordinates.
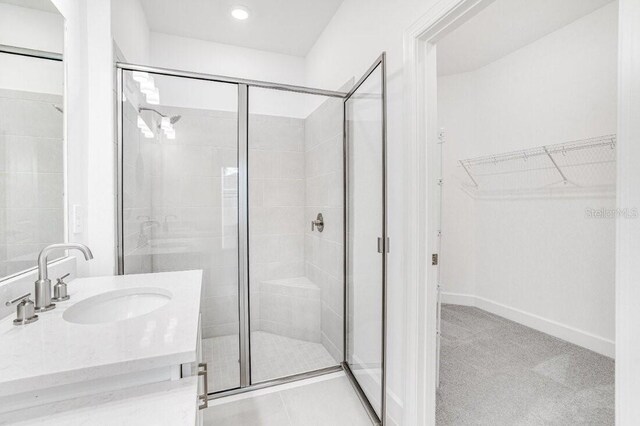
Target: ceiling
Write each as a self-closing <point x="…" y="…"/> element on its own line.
<point x="44" y="5"/>
<point x="283" y="26"/>
<point x="504" y="27"/>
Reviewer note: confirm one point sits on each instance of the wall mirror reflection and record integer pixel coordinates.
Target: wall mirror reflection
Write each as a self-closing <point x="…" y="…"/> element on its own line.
<point x="31" y="132"/>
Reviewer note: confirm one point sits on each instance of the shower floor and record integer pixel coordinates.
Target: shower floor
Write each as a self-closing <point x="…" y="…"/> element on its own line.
<point x="272" y="356"/>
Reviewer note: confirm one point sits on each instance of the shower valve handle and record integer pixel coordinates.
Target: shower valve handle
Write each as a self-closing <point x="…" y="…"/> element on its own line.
<point x="318" y="223"/>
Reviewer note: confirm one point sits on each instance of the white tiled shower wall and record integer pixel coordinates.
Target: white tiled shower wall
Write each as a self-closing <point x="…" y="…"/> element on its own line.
<point x="194" y="202"/>
<point x="188" y="188"/>
<point x="276" y="221"/>
<point x="137" y="167"/>
<point x="323" y="251"/>
<point x="295" y="171"/>
<point x="32" y="177"/>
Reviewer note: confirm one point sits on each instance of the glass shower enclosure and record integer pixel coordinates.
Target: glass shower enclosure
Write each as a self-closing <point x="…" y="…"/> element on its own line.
<point x="277" y="193"/>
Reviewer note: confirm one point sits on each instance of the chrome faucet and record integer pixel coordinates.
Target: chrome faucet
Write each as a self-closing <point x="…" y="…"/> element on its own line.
<point x="43" y="284"/>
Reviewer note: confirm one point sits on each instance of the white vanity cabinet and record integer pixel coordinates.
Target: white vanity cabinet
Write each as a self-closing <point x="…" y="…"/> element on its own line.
<point x="92" y="369"/>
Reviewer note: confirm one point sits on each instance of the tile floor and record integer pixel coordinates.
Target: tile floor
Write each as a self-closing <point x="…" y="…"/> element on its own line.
<point x="327" y="400"/>
<point x="497" y="372"/>
<point x="272" y="356"/>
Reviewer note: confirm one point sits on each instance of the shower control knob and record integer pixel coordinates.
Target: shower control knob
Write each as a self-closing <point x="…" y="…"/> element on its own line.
<point x="318" y="223"/>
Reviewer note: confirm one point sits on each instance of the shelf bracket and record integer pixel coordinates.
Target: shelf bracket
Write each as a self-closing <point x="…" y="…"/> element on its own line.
<point x="468" y="173"/>
<point x="564" y="178"/>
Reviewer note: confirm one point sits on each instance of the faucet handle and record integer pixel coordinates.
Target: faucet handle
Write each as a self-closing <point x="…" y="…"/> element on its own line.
<point x="25" y="310"/>
<point x="60" y="289"/>
<point x="17" y="299"/>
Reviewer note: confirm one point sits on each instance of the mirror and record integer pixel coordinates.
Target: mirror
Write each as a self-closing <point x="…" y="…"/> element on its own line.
<point x="32" y="200"/>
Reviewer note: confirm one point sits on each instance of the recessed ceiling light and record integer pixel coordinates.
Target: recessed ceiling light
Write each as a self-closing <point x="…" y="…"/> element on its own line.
<point x="240" y="12"/>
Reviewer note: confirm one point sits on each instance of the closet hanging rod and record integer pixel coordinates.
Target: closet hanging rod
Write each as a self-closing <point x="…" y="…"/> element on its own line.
<point x="544" y="150"/>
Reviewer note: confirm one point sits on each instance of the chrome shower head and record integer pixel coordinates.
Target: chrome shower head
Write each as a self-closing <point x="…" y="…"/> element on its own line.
<point x="172" y="120"/>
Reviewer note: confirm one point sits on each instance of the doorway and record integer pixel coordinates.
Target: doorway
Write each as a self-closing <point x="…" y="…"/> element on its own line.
<point x="537" y="181"/>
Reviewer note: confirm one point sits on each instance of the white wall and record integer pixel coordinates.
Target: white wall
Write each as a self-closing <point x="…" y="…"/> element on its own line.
<point x="76" y="110"/>
<point x="139" y="45"/>
<point x="101" y="177"/>
<point x="355" y="37"/>
<point x="190" y="54"/>
<point x="30" y="28"/>
<point x="130" y="30"/>
<point x="222" y="59"/>
<point x="89" y="128"/>
<point x="543" y="256"/>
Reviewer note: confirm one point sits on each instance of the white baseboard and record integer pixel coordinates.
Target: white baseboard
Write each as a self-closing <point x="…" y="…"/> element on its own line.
<point x="570" y="334"/>
<point x="458" y="299"/>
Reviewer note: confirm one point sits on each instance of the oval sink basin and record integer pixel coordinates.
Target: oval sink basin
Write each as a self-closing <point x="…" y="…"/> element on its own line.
<point x="117" y="305"/>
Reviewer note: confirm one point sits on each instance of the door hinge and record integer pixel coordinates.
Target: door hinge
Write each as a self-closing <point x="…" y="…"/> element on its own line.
<point x="434" y="259"/>
<point x="382" y="247"/>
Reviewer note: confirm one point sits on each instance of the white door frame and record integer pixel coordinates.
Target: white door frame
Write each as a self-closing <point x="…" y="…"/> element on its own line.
<point x="628" y="230"/>
<point x="420" y="220"/>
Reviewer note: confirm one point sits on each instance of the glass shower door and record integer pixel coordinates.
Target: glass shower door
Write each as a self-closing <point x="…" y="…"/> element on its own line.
<point x="296" y="288"/>
<point x="366" y="240"/>
<point x="179" y="177"/>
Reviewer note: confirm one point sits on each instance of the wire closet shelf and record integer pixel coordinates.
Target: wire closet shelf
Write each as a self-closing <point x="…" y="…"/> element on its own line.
<point x="581" y="166"/>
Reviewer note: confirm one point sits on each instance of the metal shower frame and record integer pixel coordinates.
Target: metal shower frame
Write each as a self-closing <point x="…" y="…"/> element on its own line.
<point x="32" y="53"/>
<point x="243" y="86"/>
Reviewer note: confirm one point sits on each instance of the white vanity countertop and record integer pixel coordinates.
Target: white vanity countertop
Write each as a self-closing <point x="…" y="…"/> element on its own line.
<point x="53" y="352"/>
<point x="170" y="403"/>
